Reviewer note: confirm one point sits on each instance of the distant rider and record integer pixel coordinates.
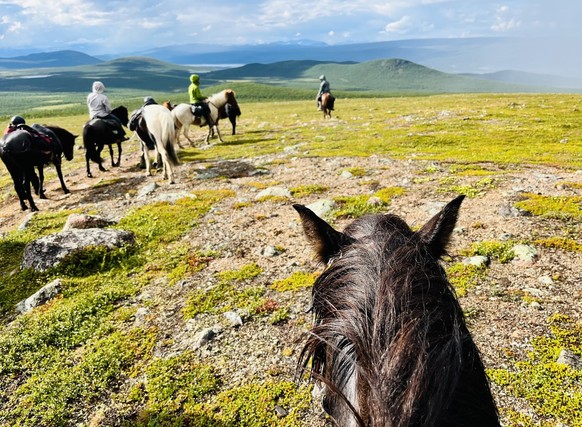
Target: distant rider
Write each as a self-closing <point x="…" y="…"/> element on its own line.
<point x="99" y="107"/>
<point x="199" y="107"/>
<point x="323" y="88"/>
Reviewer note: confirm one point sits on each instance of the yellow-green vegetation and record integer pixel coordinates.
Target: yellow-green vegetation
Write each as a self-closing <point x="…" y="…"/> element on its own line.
<point x="232" y="291"/>
<point x="561" y="243"/>
<point x="61" y="358"/>
<point x="356" y="171"/>
<point x="552" y="390"/>
<point x="464" y="277"/>
<point x="356" y="206"/>
<point x="501" y="251"/>
<point x="569" y="207"/>
<point x="298" y="280"/>
<point x="449" y="185"/>
<point x="570" y="185"/>
<point x="307" y="190"/>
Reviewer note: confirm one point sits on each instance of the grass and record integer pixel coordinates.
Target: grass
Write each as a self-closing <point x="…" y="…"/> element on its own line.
<point x="62" y="360"/>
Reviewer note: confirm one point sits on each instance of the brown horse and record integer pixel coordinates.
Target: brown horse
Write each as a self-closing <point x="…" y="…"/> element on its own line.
<point x="327" y="101"/>
<point x="390" y="343"/>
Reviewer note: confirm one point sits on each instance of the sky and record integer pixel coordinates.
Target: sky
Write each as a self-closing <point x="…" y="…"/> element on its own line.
<point x="99" y="27"/>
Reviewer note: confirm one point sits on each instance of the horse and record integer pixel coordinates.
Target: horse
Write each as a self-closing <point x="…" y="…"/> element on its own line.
<point x="156" y="131"/>
<point x="97" y="133"/>
<point x="184" y="117"/>
<point x="231" y="112"/>
<point x="21" y="152"/>
<point x="390" y="344"/>
<point x="327" y="101"/>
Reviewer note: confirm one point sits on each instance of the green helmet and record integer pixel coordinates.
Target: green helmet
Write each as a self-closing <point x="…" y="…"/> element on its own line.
<point x="194" y="78"/>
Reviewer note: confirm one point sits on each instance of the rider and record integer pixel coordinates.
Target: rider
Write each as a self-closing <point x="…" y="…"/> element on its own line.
<point x="323" y="88"/>
<point x="43" y="141"/>
<point x="99" y="107"/>
<point x="199" y="107"/>
<point x="14" y="123"/>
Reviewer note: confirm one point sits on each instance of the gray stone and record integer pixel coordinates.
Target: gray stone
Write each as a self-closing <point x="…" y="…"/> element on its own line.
<point x="205" y="337"/>
<point x="146" y="190"/>
<point x="40" y="297"/>
<point x="49" y="251"/>
<point x="524" y="253"/>
<point x="375" y="201"/>
<point x="270" y="251"/>
<point x="233" y="318"/>
<point x="477" y="260"/>
<point x="273" y="192"/>
<point x="82" y="221"/>
<point x="569" y="358"/>
<point x="24" y="223"/>
<point x="323" y="207"/>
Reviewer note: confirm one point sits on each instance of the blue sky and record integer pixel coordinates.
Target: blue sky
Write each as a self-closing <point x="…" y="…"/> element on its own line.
<point x="124" y="26"/>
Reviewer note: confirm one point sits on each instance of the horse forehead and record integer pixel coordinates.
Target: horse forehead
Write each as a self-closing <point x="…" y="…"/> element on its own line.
<point x="378" y="226"/>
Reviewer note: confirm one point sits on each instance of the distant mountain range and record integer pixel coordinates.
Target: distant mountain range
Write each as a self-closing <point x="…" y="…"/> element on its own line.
<point x="69" y="71"/>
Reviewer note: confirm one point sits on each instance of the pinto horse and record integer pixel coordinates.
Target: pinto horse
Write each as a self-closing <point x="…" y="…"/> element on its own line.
<point x="97" y="133"/>
<point x="390" y="343"/>
<point x="156" y="131"/>
<point x="327" y="104"/>
<point x="21" y="152"/>
<point x="184" y="117"/>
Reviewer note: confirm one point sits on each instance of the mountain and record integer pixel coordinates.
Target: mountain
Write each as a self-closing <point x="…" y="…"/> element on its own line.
<point x="62" y="58"/>
<point x="520" y="77"/>
<point x="146" y="74"/>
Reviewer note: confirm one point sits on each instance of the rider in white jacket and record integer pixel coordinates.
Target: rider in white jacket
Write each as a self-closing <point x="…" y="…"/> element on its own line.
<point x="100" y="108"/>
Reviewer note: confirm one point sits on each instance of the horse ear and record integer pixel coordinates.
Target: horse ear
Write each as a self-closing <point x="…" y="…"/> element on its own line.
<point x="326" y="241"/>
<point x="436" y="233"/>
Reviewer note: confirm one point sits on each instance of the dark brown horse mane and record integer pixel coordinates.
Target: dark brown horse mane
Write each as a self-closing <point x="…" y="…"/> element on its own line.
<point x="386" y="313"/>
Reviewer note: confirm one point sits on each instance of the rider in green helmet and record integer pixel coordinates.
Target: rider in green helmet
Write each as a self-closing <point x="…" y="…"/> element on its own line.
<point x="199" y="107"/>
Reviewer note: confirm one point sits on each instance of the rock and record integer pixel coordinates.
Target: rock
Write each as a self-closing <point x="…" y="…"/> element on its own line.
<point x="24" y="223"/>
<point x="205" y="337"/>
<point x="172" y="197"/>
<point x="273" y="192"/>
<point x="346" y="175"/>
<point x="375" y="201"/>
<point x="233" y="318"/>
<point x="141" y="316"/>
<point x="477" y="260"/>
<point x="270" y="251"/>
<point x="280" y="411"/>
<point x="40" y="297"/>
<point x="569" y="358"/>
<point x="82" y="221"/>
<point x="49" y="251"/>
<point x="546" y="280"/>
<point x="524" y="253"/>
<point x="323" y="207"/>
<point x="146" y="190"/>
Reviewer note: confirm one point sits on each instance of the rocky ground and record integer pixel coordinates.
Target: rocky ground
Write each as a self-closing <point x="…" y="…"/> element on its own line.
<point x="503" y="325"/>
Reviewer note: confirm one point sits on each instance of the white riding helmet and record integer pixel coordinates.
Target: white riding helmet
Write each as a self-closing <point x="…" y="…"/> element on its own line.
<point x="322" y="77"/>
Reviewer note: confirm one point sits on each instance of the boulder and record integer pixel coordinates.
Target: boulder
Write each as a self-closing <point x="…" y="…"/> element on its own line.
<point x="40" y="297"/>
<point x="82" y="221"/>
<point x="49" y="251"/>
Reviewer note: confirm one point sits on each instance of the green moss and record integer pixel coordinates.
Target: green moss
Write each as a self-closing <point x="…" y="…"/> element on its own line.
<point x="254" y="405"/>
<point x="464" y="277"/>
<point x="552" y="206"/>
<point x="561" y="243"/>
<point x="228" y="294"/>
<point x="173" y="385"/>
<point x="554" y="391"/>
<point x="356" y="171"/>
<point x="298" y="280"/>
<point x="307" y="190"/>
<point x="357" y="206"/>
<point x="54" y="395"/>
<point x="279" y="316"/>
<point x="448" y="185"/>
<point x="502" y="251"/>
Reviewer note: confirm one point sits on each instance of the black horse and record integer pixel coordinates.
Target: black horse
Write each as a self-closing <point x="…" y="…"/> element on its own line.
<point x="390" y="343"/>
<point x="23" y="150"/>
<point x="97" y="133"/>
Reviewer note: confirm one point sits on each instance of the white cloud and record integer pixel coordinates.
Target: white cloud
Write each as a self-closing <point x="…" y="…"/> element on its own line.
<point x="400" y="26"/>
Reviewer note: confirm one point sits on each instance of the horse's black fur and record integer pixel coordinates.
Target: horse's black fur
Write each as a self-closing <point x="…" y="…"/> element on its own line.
<point x="387" y="319"/>
<point x="97" y="133"/>
<point x="23" y="150"/>
<point x="231" y="111"/>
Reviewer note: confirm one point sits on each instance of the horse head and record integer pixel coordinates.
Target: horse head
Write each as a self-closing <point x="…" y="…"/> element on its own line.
<point x="390" y="343"/>
<point x="121" y="113"/>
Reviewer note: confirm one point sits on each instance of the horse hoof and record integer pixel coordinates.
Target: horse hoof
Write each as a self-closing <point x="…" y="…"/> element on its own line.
<point x="67" y="192"/>
<point x="89" y="175"/>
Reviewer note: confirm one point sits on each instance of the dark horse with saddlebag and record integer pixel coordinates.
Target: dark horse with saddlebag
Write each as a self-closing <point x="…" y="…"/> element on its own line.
<point x="100" y="132"/>
<point x="28" y="147"/>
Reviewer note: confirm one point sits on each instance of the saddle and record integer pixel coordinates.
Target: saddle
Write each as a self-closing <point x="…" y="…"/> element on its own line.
<point x="137" y="124"/>
<point x="27" y="138"/>
<point x="201" y="109"/>
<point x="112" y="126"/>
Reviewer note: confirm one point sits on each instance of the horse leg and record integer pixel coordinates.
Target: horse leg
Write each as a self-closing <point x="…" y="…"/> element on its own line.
<point x="111" y="154"/>
<point x="27" y="178"/>
<point x="87" y="160"/>
<point x="146" y="155"/>
<point x="38" y="182"/>
<point x="218" y="133"/>
<point x="118" y="154"/>
<point x="192" y="142"/>
<point x="233" y="123"/>
<point x="60" y="175"/>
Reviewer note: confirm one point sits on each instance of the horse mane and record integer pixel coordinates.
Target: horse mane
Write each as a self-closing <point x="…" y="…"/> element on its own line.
<point x="386" y="315"/>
